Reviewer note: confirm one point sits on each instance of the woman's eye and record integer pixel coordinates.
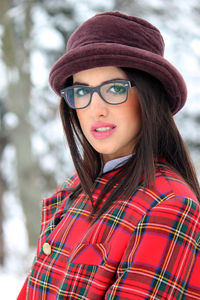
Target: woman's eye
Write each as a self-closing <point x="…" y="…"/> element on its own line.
<point x="80" y="92"/>
<point x="117" y="89"/>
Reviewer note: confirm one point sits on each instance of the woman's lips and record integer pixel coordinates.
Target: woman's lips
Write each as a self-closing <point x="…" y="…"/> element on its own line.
<point x="102" y="130"/>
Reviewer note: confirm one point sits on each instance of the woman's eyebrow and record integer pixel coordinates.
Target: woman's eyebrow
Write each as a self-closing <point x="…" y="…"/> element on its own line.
<point x="82" y="83"/>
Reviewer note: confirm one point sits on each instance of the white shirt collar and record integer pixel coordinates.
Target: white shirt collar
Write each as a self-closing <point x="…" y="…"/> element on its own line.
<point x="115" y="163"/>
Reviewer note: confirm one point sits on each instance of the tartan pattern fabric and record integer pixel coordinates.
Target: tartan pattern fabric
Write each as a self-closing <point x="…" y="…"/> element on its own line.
<point x="144" y="247"/>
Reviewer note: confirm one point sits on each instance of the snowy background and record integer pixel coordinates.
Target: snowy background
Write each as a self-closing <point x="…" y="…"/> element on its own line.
<point x="51" y="21"/>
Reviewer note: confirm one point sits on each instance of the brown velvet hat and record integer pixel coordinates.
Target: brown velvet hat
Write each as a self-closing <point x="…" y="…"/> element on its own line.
<point x="116" y="39"/>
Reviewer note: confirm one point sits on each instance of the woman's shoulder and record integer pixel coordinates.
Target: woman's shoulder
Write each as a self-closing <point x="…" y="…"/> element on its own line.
<point x="169" y="181"/>
<point x="69" y="183"/>
<point x="169" y="199"/>
<point x="52" y="203"/>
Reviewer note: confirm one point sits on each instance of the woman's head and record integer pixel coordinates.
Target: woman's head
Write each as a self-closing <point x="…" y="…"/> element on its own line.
<point x="115" y="41"/>
<point x="142" y="123"/>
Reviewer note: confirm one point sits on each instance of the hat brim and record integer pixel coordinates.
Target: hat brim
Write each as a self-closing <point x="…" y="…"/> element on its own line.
<point x="99" y="55"/>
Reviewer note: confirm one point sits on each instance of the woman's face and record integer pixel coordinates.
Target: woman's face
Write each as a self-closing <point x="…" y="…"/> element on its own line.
<point x="110" y="129"/>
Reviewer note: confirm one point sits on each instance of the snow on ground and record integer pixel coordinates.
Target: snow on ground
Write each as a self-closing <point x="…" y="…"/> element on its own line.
<point x="10" y="285"/>
<point x="18" y="257"/>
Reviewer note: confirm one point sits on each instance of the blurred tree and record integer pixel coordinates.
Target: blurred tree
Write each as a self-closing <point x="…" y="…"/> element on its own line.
<point x="17" y="25"/>
<point x="3" y="185"/>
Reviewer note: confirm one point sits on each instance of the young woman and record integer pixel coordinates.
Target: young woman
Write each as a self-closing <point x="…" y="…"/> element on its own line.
<point x="127" y="224"/>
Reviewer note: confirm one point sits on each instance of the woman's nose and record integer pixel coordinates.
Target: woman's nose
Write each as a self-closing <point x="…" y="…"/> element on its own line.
<point x="98" y="106"/>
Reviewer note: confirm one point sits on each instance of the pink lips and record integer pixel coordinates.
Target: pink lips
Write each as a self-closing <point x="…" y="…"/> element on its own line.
<point x="102" y="130"/>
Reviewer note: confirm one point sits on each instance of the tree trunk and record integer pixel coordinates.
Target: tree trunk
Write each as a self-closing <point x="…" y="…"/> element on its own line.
<point x="16" y="54"/>
<point x="3" y="142"/>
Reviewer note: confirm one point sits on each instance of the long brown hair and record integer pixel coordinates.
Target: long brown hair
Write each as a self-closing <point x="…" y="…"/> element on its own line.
<point x="159" y="137"/>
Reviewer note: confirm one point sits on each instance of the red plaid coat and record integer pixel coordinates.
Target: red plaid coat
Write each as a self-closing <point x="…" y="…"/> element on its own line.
<point x="144" y="247"/>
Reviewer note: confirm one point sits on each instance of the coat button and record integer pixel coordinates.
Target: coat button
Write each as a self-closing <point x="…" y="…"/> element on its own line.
<point x="46" y="248"/>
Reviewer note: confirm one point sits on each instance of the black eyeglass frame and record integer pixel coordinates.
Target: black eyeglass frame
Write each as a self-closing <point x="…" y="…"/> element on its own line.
<point x="128" y="84"/>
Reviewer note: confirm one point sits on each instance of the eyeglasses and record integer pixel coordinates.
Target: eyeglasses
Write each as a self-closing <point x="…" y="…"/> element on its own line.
<point x="113" y="92"/>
